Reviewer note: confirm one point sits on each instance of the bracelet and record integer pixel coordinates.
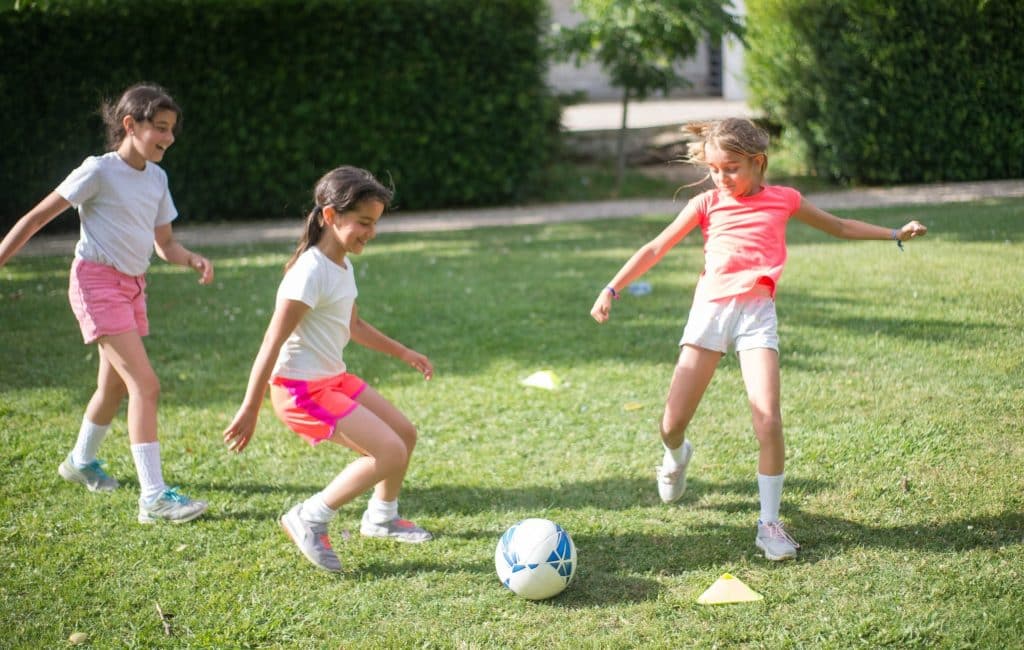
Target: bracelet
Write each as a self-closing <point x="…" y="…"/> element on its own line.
<point x="611" y="290"/>
<point x="896" y="236"/>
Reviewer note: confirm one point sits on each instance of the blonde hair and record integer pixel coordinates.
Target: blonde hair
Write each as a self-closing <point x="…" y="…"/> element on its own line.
<point x="735" y="135"/>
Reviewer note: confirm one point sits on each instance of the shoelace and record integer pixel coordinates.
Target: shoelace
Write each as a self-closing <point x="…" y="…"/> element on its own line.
<point x="172" y="494"/>
<point x="670" y="477"/>
<point x="776" y="531"/>
<point x="95" y="466"/>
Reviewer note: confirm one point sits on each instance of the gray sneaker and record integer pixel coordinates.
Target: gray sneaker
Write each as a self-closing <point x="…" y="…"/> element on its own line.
<point x="311" y="538"/>
<point x="170" y="506"/>
<point x="776" y="543"/>
<point x="672" y="479"/>
<point x="397" y="529"/>
<point x="91" y="475"/>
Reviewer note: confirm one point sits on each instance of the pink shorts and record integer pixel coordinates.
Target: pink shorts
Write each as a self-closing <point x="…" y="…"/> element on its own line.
<point x="312" y="408"/>
<point x="106" y="301"/>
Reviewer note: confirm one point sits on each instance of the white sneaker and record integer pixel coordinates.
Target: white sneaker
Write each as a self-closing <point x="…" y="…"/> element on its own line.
<point x="171" y="506"/>
<point x="672" y="478"/>
<point x="776" y="543"/>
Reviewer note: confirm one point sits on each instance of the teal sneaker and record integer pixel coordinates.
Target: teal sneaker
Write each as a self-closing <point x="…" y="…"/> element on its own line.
<point x="171" y="506"/>
<point x="91" y="475"/>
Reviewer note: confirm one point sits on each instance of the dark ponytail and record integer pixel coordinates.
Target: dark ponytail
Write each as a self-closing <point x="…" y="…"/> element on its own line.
<point x="310" y="235"/>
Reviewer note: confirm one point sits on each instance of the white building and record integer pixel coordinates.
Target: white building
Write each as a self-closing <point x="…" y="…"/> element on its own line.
<point x="715" y="71"/>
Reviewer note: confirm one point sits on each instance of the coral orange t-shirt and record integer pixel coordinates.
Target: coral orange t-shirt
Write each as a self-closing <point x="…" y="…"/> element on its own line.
<point x="744" y="240"/>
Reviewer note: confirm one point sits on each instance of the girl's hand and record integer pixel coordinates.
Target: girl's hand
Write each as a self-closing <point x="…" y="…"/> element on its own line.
<point x="602" y="306"/>
<point x="419" y="362"/>
<point x="238" y="433"/>
<point x="911" y="230"/>
<point x="202" y="266"/>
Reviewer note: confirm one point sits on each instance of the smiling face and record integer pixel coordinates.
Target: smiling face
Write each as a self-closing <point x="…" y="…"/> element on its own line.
<point x="147" y="141"/>
<point x="734" y="173"/>
<point x="348" y="232"/>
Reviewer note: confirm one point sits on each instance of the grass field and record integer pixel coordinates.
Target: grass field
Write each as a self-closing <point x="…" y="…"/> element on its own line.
<point x="903" y="398"/>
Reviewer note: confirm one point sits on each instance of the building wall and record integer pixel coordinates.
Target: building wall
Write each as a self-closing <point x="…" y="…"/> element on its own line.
<point x="715" y="71"/>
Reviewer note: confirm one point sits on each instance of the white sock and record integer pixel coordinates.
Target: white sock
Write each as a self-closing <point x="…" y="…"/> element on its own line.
<point x="674" y="456"/>
<point x="381" y="512"/>
<point x="770" y="489"/>
<point x="315" y="510"/>
<point x="90" y="437"/>
<point x="147" y="464"/>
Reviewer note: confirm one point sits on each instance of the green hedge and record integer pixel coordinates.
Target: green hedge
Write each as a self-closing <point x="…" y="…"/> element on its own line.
<point x="894" y="91"/>
<point x="445" y="97"/>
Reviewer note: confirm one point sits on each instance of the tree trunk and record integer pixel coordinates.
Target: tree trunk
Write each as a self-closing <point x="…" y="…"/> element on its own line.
<point x="620" y="147"/>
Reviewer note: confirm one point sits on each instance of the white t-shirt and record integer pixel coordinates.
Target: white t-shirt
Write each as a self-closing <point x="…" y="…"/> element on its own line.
<point x="119" y="207"/>
<point x="314" y="350"/>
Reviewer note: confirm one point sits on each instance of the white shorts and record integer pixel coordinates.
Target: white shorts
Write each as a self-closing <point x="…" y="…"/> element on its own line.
<point x="742" y="323"/>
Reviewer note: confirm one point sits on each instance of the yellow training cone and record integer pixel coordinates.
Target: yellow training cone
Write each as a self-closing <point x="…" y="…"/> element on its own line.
<point x="542" y="379"/>
<point x="728" y="589"/>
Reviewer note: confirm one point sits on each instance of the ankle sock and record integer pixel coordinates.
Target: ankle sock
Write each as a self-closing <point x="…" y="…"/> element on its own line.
<point x="315" y="510"/>
<point x="381" y="512"/>
<point x="674" y="456"/>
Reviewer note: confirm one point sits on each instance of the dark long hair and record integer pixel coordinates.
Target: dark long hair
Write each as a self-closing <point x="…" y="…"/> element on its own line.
<point x="142" y="101"/>
<point x="341" y="188"/>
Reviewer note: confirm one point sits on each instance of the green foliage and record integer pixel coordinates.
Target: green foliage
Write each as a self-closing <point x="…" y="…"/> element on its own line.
<point x="887" y="92"/>
<point x="446" y="98"/>
<point x="639" y="42"/>
<point x="903" y="396"/>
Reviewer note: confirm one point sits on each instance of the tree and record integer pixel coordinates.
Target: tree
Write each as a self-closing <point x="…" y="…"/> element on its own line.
<point x="639" y="42"/>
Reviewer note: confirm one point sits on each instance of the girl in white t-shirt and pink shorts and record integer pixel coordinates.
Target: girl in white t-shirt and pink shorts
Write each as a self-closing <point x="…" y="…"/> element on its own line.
<point x="126" y="210"/>
<point x="301" y="359"/>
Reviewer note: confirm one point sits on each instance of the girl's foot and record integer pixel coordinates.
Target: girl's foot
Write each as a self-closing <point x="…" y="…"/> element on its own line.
<point x="672" y="478"/>
<point x="91" y="475"/>
<point x="171" y="506"/>
<point x="776" y="543"/>
<point x="312" y="539"/>
<point x="397" y="529"/>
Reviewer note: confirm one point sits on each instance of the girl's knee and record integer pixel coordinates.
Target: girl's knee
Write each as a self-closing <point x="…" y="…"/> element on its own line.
<point x="147" y="390"/>
<point x="392" y="456"/>
<point x="768" y="427"/>
<point x="409" y="436"/>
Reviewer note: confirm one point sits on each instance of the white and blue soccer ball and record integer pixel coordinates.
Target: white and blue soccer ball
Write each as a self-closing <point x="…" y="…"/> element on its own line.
<point x="535" y="559"/>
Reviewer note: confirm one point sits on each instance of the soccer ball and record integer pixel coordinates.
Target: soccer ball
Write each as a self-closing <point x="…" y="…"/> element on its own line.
<point x="535" y="559"/>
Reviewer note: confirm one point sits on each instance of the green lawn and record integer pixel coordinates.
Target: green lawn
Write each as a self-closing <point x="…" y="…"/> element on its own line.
<point x="903" y="397"/>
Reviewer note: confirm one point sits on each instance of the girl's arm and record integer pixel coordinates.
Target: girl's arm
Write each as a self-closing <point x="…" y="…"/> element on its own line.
<point x="172" y="252"/>
<point x="646" y="257"/>
<point x="44" y="212"/>
<point x="370" y="337"/>
<point x="853" y="229"/>
<point x="287" y="315"/>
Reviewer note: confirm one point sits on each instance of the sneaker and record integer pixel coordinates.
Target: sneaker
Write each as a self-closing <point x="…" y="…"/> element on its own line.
<point x="170" y="506"/>
<point x="311" y="538"/>
<point x="397" y="529"/>
<point x="91" y="475"/>
<point x="672" y="479"/>
<point x="776" y="543"/>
